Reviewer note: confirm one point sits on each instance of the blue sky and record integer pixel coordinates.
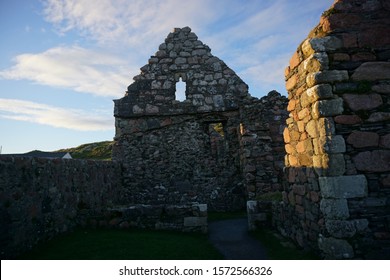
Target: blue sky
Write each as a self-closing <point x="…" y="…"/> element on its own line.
<point x="63" y="61"/>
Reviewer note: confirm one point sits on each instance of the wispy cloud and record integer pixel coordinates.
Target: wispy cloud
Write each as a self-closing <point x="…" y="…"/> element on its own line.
<point x="72" y="67"/>
<point x="54" y="116"/>
<point x="247" y="35"/>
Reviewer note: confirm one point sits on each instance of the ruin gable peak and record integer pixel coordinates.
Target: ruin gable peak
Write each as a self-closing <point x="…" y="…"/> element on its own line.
<point x="209" y="84"/>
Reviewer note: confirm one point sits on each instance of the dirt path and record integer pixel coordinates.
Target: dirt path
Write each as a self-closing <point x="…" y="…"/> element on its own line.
<point x="232" y="239"/>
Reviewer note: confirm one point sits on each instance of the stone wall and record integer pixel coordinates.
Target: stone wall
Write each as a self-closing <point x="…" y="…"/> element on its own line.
<point x="40" y="198"/>
<point x="338" y="158"/>
<point x="215" y="147"/>
<point x="190" y="217"/>
<point x="261" y="144"/>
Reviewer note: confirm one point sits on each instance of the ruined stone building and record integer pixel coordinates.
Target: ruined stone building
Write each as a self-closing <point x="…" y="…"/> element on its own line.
<point x="199" y="148"/>
<point x="190" y="139"/>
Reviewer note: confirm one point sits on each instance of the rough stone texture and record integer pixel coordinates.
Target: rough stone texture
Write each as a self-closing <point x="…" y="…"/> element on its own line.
<point x="335" y="248"/>
<point x="375" y="161"/>
<point x="258" y="213"/>
<point x="351" y="46"/>
<point x="372" y="71"/>
<point x="343" y="186"/>
<point x="357" y="102"/>
<point x="41" y="198"/>
<point x="218" y="146"/>
<point x="359" y="139"/>
<point x="334" y="209"/>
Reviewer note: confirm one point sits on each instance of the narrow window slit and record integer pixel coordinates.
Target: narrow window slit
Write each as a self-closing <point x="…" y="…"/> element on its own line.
<point x="180" y="94"/>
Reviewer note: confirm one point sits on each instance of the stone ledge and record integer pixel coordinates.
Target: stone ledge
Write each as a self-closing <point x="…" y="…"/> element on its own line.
<point x="343" y="186"/>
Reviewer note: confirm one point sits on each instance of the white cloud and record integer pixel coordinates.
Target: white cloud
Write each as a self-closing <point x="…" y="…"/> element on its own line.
<point x="72" y="67"/>
<point x="54" y="116"/>
<point x="244" y="34"/>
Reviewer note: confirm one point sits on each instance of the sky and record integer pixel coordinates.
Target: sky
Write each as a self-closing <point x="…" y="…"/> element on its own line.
<point x="62" y="62"/>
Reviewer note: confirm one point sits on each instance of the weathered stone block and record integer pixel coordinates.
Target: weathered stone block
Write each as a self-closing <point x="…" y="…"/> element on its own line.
<point x="291" y="82"/>
<point x="385" y="141"/>
<point x="359" y="102"/>
<point x="379" y="117"/>
<point x="372" y="71"/>
<point x="303" y="113"/>
<point x="333" y="164"/>
<point x="327" y="108"/>
<point x="375" y="161"/>
<point x="343" y="186"/>
<point x="137" y="109"/>
<point x="335" y="248"/>
<point x="362" y="139"/>
<point x="316" y="62"/>
<point x="195" y="221"/>
<point x="347" y="119"/>
<point x="328" y="43"/>
<point x="305" y="147"/>
<point x="330" y="144"/>
<point x="295" y="60"/>
<point x="326" y="126"/>
<point x="334" y="209"/>
<point x="315" y="93"/>
<point x="382" y="88"/>
<point x="340" y="229"/>
<point x="151" y="109"/>
<point x="327" y="76"/>
<point x="312" y="129"/>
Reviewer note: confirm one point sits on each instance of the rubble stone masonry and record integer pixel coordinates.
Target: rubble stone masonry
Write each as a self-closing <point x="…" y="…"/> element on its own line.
<point x="337" y="135"/>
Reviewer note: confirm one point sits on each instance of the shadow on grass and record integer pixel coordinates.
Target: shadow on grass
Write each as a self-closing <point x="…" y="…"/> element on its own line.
<point x="108" y="244"/>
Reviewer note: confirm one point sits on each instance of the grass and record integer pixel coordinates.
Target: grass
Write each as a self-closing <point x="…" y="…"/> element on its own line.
<point x="135" y="244"/>
<point x="105" y="244"/>
<point x="279" y="248"/>
<point x="96" y="151"/>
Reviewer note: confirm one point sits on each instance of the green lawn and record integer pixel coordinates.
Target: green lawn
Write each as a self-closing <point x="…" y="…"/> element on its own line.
<point x="101" y="244"/>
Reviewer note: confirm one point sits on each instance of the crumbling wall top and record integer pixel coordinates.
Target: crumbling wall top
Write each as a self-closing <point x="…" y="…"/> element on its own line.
<point x="210" y="84"/>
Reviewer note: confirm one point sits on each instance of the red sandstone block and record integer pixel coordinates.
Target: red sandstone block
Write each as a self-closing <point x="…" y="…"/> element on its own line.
<point x="385" y="141"/>
<point x="347" y="119"/>
<point x="291" y="82"/>
<point x="294" y="61"/>
<point x="299" y="189"/>
<point x="375" y="161"/>
<point x="340" y="21"/>
<point x="350" y="40"/>
<point x="359" y="102"/>
<point x="359" y="139"/>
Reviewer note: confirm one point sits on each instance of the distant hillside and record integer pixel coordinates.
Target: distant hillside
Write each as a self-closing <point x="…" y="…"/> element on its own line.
<point x="98" y="151"/>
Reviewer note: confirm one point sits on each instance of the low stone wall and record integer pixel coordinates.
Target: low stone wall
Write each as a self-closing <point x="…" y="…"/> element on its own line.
<point x="186" y="218"/>
<point x="41" y="198"/>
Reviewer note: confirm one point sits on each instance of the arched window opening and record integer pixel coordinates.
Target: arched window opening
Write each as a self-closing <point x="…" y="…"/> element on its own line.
<point x="180" y="94"/>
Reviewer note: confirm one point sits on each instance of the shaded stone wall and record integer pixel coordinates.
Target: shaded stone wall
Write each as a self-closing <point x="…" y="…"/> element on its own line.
<point x="262" y="145"/>
<point x="214" y="147"/>
<point x="338" y="157"/>
<point x="190" y="217"/>
<point x="41" y="198"/>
